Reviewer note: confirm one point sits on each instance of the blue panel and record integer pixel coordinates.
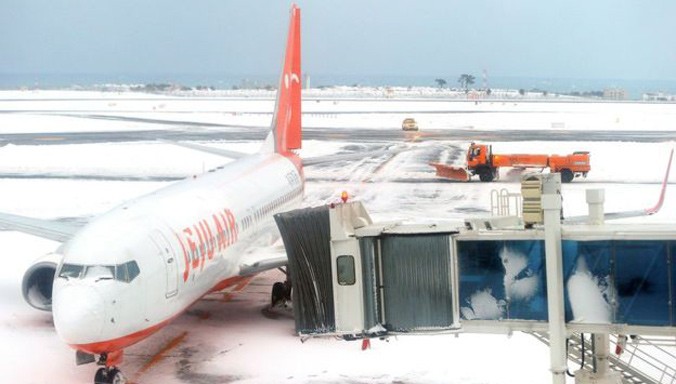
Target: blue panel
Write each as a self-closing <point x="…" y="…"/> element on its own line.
<point x="672" y="259"/>
<point x="587" y="275"/>
<point x="642" y="282"/>
<point x="502" y="280"/>
<point x="481" y="274"/>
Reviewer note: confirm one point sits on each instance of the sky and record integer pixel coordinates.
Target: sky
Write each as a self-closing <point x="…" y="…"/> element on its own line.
<point x="618" y="39"/>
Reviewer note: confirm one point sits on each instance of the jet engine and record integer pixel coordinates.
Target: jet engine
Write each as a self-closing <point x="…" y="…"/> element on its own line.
<point x="38" y="281"/>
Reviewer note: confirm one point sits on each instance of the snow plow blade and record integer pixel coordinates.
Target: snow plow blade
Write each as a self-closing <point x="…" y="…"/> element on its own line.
<point x="450" y="172"/>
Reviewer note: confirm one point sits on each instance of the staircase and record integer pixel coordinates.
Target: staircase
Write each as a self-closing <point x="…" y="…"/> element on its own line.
<point x="644" y="360"/>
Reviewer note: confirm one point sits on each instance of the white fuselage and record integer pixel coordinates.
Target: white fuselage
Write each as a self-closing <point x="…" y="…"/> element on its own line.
<point x="136" y="267"/>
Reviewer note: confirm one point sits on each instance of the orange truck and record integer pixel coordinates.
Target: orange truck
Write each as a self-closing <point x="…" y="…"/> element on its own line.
<point x="483" y="162"/>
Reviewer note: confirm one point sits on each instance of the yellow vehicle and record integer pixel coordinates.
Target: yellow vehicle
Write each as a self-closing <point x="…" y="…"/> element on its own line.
<point x="409" y="124"/>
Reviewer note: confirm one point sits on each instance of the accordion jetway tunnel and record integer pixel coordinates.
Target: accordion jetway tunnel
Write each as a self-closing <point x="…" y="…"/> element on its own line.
<point x="357" y="279"/>
<point x="366" y="284"/>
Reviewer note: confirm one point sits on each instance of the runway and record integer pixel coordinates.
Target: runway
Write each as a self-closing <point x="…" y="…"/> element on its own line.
<point x="197" y="132"/>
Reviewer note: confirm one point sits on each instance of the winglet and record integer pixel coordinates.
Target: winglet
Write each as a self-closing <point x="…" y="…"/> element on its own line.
<point x="638" y="212"/>
<point x="286" y="122"/>
<point x="656" y="208"/>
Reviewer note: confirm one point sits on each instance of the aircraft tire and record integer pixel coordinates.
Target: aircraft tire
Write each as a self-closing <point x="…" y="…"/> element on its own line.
<point x="277" y="293"/>
<point x="109" y="376"/>
<point x="101" y="377"/>
<point x="116" y="377"/>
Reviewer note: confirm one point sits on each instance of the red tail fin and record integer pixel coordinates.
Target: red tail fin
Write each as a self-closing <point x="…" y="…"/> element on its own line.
<point x="286" y="123"/>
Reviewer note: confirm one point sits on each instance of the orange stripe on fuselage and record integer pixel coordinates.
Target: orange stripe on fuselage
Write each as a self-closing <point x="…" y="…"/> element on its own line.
<point x="108" y="346"/>
<point x="120" y="343"/>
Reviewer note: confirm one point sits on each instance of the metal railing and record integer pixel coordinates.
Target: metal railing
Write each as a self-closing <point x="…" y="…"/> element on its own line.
<point x="642" y="359"/>
<point x="505" y="203"/>
<point x="654" y="356"/>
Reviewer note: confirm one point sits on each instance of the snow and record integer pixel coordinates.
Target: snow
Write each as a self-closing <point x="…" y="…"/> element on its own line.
<point x="520" y="289"/>
<point x="233" y="340"/>
<point x="483" y="305"/>
<point x="20" y="123"/>
<point x="587" y="294"/>
<point x="326" y="109"/>
<point x="146" y="159"/>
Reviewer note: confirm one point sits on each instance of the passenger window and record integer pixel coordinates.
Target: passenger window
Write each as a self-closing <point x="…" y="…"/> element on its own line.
<point x="345" y="268"/>
<point x="71" y="271"/>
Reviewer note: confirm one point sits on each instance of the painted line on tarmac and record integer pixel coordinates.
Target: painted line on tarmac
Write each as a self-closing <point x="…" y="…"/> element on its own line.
<point x="159" y="356"/>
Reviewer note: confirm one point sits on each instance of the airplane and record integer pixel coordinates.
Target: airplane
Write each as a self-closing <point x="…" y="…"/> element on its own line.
<point x="129" y="272"/>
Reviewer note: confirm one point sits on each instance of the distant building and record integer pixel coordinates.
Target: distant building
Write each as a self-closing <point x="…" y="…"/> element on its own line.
<point x="658" y="96"/>
<point x="614" y="94"/>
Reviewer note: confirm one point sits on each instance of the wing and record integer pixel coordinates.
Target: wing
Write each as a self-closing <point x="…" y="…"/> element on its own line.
<point x="638" y="212"/>
<point x="306" y="162"/>
<point x="53" y="230"/>
<point x="262" y="265"/>
<point x="263" y="259"/>
<point x="214" y="151"/>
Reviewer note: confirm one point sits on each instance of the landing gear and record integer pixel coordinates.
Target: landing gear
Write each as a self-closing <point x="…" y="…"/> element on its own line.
<point x="109" y="376"/>
<point x="281" y="292"/>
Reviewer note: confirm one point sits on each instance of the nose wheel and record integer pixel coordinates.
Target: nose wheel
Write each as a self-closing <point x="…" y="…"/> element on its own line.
<point x="108" y="375"/>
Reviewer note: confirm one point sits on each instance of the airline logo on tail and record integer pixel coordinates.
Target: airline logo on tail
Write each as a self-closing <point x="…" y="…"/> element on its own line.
<point x="286" y="123"/>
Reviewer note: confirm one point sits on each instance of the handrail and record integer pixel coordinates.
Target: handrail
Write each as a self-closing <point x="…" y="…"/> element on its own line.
<point x="644" y="360"/>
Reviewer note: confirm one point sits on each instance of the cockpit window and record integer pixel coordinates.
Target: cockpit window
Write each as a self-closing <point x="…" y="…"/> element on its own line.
<point x="124" y="272"/>
<point x="127" y="272"/>
<point x="71" y="271"/>
<point x="133" y="270"/>
<point x="100" y="272"/>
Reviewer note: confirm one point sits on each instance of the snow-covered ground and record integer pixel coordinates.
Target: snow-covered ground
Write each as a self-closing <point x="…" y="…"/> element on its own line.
<point x="227" y="338"/>
<point x="324" y="109"/>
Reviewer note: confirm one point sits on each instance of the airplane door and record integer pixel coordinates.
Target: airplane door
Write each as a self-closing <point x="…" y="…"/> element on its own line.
<point x="170" y="262"/>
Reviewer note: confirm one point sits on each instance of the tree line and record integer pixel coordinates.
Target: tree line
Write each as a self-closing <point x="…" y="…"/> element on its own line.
<point x="465" y="80"/>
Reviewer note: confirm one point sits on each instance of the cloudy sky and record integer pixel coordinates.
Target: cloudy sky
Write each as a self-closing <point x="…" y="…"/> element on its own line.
<point x="621" y="39"/>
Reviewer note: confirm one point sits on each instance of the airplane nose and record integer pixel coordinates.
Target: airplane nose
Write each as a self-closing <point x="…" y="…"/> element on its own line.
<point x="79" y="314"/>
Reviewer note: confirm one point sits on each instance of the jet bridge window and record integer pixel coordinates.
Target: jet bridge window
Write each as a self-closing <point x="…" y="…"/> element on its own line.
<point x="345" y="268"/>
<point x="71" y="271"/>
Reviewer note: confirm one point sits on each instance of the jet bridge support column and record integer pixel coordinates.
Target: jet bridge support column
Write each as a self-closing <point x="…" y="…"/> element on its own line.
<point x="602" y="373"/>
<point x="551" y="205"/>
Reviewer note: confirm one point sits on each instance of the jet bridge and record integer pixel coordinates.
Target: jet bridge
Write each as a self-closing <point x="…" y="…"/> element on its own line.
<point x="358" y="279"/>
<point x="353" y="277"/>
